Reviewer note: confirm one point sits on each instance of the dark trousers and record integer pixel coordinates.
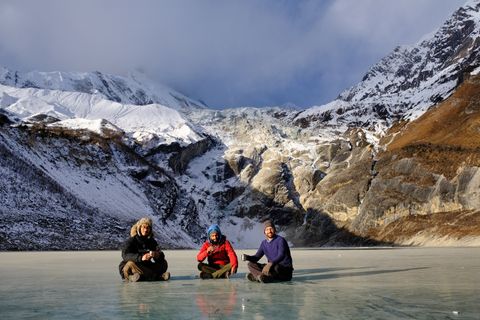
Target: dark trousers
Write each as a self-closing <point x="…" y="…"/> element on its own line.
<point x="277" y="272"/>
<point x="148" y="271"/>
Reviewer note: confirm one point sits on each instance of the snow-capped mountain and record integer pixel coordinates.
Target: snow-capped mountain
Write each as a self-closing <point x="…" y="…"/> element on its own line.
<point x="89" y="149"/>
<point x="87" y="160"/>
<point x="149" y="125"/>
<point x="137" y="89"/>
<point x="412" y="78"/>
<point x="160" y="139"/>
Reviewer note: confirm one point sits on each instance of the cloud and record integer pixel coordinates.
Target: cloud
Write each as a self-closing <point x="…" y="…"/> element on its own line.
<point x="228" y="53"/>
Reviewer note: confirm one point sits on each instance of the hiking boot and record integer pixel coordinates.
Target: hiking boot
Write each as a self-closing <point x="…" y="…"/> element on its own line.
<point x="206" y="275"/>
<point x="251" y="277"/>
<point x="134" y="277"/>
<point x="166" y="276"/>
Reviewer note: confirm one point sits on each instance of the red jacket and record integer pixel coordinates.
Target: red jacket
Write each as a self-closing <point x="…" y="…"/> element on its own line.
<point x="222" y="254"/>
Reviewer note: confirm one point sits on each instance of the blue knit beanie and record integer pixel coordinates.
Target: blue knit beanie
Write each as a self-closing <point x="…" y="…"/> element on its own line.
<point x="214" y="228"/>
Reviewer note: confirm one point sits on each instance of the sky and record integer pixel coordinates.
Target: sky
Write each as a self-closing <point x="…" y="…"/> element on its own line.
<point x="226" y="53"/>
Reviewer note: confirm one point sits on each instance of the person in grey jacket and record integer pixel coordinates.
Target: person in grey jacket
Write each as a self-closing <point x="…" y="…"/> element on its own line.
<point x="279" y="266"/>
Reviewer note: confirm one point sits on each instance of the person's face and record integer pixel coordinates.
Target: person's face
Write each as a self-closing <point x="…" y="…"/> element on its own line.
<point x="269" y="232"/>
<point x="213" y="237"/>
<point x="144" y="230"/>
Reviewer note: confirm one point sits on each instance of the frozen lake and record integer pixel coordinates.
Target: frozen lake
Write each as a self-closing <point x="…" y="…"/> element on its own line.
<point x="401" y="283"/>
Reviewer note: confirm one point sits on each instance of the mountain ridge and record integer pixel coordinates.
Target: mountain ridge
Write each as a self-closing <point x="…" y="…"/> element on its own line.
<point x="405" y="83"/>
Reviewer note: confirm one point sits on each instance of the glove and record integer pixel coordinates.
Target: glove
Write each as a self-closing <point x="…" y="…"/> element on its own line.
<point x="266" y="269"/>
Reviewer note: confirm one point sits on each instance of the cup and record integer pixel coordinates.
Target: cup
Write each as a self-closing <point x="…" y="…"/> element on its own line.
<point x="244" y="257"/>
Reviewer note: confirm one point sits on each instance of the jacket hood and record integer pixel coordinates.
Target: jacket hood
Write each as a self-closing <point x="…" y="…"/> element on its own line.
<point x="135" y="230"/>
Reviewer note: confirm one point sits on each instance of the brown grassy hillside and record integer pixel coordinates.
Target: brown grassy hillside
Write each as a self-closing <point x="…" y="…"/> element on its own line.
<point x="445" y="137"/>
<point x="455" y="122"/>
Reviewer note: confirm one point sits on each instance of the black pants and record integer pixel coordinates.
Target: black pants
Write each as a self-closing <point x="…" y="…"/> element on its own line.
<point x="277" y="272"/>
<point x="148" y="271"/>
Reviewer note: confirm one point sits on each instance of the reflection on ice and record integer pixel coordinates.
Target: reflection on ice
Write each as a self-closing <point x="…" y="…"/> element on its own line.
<point x="416" y="283"/>
<point x="208" y="302"/>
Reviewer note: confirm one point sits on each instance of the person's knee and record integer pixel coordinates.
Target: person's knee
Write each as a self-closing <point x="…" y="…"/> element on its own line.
<point x="200" y="266"/>
<point x="129" y="268"/>
<point x="163" y="266"/>
<point x="129" y="265"/>
<point x="277" y="270"/>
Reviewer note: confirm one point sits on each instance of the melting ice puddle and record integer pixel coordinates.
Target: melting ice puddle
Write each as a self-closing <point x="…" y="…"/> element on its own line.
<point x="402" y="283"/>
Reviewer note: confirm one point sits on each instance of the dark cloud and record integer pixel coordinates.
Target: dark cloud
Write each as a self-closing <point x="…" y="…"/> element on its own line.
<point x="228" y="53"/>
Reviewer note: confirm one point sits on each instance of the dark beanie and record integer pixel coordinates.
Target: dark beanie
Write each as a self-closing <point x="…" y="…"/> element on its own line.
<point x="268" y="223"/>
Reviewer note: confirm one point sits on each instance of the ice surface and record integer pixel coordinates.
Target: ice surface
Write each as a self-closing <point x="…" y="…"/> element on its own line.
<point x="403" y="283"/>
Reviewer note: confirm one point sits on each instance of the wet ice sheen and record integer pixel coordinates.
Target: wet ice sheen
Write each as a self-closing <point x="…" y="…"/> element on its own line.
<point x="406" y="283"/>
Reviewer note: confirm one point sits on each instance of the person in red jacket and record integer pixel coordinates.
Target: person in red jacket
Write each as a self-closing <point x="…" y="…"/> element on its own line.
<point x="222" y="259"/>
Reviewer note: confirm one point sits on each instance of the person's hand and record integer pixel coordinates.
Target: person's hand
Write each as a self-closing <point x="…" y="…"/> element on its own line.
<point x="210" y="249"/>
<point x="233" y="270"/>
<point x="266" y="269"/>
<point x="147" y="256"/>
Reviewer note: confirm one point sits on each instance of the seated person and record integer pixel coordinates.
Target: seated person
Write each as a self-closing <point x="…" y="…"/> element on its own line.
<point x="142" y="258"/>
<point x="222" y="259"/>
<point x="279" y="266"/>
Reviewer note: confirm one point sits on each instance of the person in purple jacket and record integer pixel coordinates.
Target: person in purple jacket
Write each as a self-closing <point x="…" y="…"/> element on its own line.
<point x="279" y="266"/>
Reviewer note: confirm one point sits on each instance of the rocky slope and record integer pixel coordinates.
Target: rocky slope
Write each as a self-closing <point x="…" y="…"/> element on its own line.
<point x="74" y="189"/>
<point x="324" y="173"/>
<point x="324" y="189"/>
<point x="430" y="168"/>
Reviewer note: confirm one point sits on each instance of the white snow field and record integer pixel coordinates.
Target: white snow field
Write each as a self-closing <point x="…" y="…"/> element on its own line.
<point x="380" y="283"/>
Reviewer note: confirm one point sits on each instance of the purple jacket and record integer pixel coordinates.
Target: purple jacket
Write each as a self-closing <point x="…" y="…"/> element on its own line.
<point x="276" y="251"/>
